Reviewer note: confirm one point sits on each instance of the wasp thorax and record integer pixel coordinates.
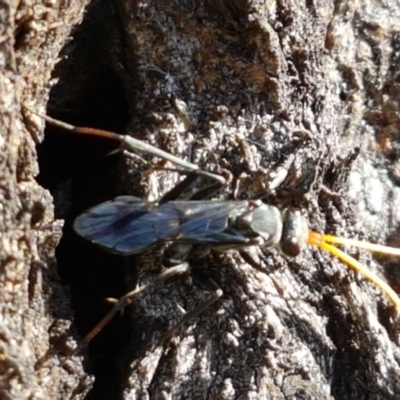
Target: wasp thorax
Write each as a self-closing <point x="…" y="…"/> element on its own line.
<point x="295" y="232"/>
<point x="264" y="221"/>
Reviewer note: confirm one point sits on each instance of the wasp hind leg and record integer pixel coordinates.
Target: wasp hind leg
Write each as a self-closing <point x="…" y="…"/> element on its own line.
<point x="183" y="185"/>
<point x="124" y="301"/>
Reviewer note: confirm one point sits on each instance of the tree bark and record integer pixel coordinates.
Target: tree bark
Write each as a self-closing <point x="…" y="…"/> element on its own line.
<point x="236" y="87"/>
<point x="35" y="314"/>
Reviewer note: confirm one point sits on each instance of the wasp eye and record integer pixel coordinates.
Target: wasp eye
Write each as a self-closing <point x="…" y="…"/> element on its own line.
<point x="295" y="232"/>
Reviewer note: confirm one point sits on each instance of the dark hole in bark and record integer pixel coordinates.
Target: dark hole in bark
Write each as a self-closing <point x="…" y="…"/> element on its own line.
<point x="80" y="173"/>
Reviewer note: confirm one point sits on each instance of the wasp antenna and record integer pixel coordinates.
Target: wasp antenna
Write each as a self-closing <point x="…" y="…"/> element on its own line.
<point x="317" y="239"/>
<point x="377" y="248"/>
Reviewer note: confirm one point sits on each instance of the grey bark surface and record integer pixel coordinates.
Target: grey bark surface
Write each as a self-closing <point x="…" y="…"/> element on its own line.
<point x="34" y="310"/>
<point x="319" y="80"/>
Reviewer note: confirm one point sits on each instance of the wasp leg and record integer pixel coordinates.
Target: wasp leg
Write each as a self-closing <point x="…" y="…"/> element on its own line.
<point x="129" y="143"/>
<point x="122" y="302"/>
<point x="277" y="177"/>
<point x="180" y="187"/>
<point x="206" y="283"/>
<point x="207" y="192"/>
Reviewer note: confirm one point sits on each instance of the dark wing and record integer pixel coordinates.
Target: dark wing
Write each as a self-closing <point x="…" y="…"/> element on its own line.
<point x="107" y="223"/>
<point x="207" y="222"/>
<point x="127" y="225"/>
<point x="193" y="222"/>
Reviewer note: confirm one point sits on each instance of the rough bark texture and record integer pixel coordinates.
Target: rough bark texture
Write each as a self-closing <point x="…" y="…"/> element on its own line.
<point x="319" y="80"/>
<point x="35" y="313"/>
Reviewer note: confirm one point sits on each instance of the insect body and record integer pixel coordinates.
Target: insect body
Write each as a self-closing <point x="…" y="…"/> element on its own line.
<point x="127" y="225"/>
